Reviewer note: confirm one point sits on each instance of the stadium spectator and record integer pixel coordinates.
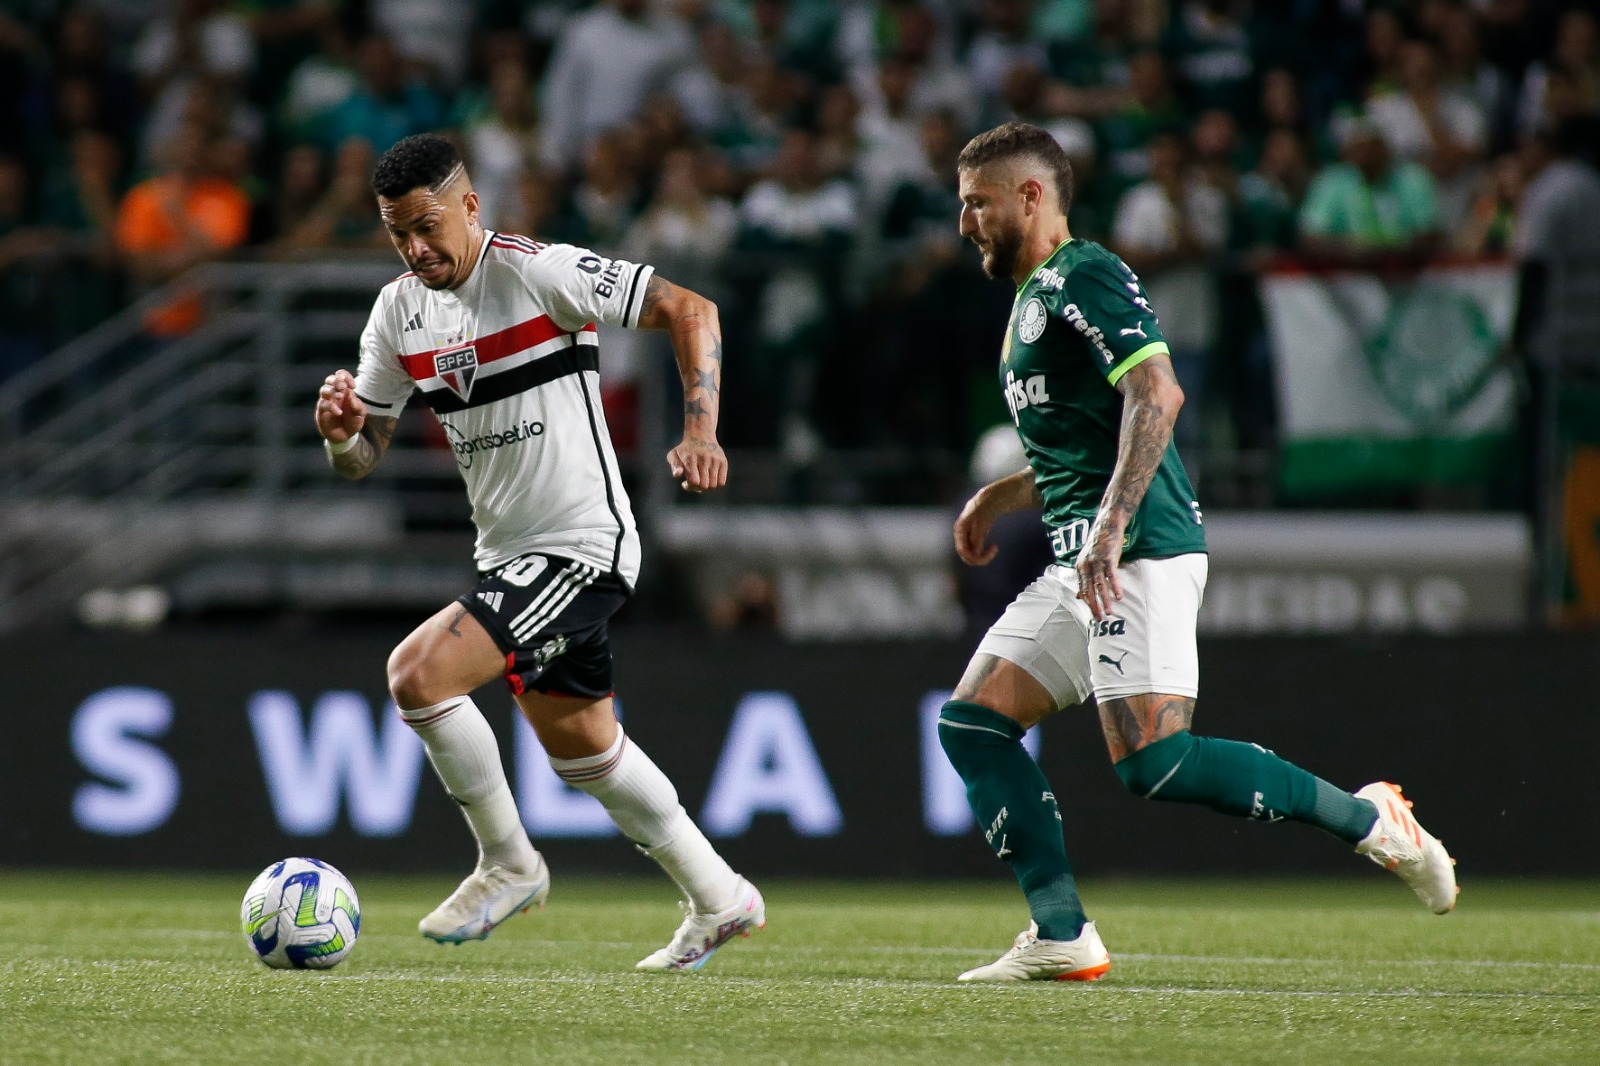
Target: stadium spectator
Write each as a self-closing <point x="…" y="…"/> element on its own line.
<point x="1464" y="70"/>
<point x="1370" y="205"/>
<point x="1385" y="38"/>
<point x="294" y="194"/>
<point x="1166" y="229"/>
<point x="1270" y="195"/>
<point x="839" y="139"/>
<point x="1489" y="225"/>
<point x="1213" y="48"/>
<point x="891" y="150"/>
<point x="606" y="62"/>
<point x="344" y="217"/>
<point x="182" y="217"/>
<point x="536" y="208"/>
<point x="1556" y="243"/>
<point x="606" y="200"/>
<point x="1152" y="109"/>
<point x="1576" y="53"/>
<point x="1439" y="128"/>
<point x="1095" y="70"/>
<point x="913" y="36"/>
<point x="711" y="87"/>
<point x="794" y="226"/>
<point x="198" y="56"/>
<point x="319" y="83"/>
<point x="390" y="104"/>
<point x="1000" y="44"/>
<point x="502" y="137"/>
<point x="682" y="230"/>
<point x="434" y="36"/>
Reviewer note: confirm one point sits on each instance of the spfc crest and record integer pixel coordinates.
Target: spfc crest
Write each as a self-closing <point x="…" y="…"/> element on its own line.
<point x="457" y="369"/>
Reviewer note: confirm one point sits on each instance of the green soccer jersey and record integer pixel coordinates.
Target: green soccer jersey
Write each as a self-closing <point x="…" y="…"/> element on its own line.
<point x="1079" y="323"/>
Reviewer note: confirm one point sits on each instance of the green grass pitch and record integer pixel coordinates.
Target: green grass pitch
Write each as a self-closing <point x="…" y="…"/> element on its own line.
<point x="150" y="969"/>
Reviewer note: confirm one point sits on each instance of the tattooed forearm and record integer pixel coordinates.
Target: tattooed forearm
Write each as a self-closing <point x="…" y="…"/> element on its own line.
<point x="371" y="443"/>
<point x="1151" y="399"/>
<point x="696" y="333"/>
<point x="1131" y="722"/>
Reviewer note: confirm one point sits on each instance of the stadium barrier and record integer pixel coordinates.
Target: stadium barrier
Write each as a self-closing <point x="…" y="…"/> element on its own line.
<point x="225" y="751"/>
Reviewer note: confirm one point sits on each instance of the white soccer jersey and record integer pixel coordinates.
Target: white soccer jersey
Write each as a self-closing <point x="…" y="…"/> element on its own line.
<point x="509" y="364"/>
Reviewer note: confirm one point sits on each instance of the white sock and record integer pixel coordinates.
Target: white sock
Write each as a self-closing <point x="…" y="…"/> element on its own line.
<point x="645" y="807"/>
<point x="466" y="757"/>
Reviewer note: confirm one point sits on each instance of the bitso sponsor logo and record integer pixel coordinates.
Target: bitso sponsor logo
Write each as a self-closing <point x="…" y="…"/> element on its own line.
<point x="467" y="448"/>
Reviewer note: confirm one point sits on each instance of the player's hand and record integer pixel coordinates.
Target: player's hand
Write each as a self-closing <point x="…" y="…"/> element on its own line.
<point x="340" y="412"/>
<point x="699" y="465"/>
<point x="972" y="532"/>
<point x="1098" y="584"/>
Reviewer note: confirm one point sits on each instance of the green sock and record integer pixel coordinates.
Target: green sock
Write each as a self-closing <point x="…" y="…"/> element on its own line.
<point x="1245" y="780"/>
<point x="1016" y="810"/>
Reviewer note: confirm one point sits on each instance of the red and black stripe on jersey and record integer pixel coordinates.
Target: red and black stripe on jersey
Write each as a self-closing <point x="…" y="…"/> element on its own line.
<point x="571" y="353"/>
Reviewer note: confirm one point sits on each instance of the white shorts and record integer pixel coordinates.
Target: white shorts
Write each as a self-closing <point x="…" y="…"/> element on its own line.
<point x="1146" y="646"/>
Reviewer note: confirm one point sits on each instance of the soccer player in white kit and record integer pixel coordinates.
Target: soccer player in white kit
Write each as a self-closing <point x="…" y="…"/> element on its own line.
<point x="497" y="331"/>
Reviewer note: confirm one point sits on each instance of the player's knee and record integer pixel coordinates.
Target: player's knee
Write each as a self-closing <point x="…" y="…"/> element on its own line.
<point x="965" y="728"/>
<point x="411" y="682"/>
<point x="1146" y="770"/>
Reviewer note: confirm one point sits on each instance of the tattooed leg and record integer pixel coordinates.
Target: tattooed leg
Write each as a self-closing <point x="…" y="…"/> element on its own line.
<point x="1157" y="757"/>
<point x="1132" y="722"/>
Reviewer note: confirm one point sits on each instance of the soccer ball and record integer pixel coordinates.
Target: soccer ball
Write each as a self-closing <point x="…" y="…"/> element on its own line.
<point x="300" y="913"/>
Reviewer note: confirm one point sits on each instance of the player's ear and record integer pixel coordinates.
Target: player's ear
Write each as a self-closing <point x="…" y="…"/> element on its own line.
<point x="470" y="202"/>
<point x="1032" y="193"/>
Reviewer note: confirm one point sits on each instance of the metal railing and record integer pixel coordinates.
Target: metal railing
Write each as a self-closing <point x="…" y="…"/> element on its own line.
<point x="123" y="452"/>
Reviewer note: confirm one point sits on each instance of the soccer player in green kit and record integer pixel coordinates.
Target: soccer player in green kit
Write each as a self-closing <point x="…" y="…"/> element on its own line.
<point x="1091" y="389"/>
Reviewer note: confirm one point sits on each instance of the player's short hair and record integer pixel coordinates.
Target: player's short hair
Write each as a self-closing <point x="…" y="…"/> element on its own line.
<point x="421" y="161"/>
<point x="1019" y="140"/>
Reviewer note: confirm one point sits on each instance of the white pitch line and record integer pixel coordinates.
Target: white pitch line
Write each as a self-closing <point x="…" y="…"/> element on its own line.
<point x="895" y="949"/>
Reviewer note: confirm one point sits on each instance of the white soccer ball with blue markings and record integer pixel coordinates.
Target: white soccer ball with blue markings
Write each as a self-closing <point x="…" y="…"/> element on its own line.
<point x="300" y="914"/>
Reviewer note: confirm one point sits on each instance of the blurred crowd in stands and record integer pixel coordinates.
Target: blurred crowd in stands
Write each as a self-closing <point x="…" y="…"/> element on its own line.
<point x="794" y="159"/>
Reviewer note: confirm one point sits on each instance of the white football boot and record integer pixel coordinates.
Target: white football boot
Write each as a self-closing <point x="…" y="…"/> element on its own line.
<point x="700" y="935"/>
<point x="1032" y="959"/>
<point x="488" y="896"/>
<point x="1397" y="842"/>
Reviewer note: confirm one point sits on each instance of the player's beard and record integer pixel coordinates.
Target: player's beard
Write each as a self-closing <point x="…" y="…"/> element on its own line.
<point x="1001" y="258"/>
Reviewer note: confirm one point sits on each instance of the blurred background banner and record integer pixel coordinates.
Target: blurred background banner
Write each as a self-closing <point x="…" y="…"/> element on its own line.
<point x="224" y="751"/>
<point x="1389" y="382"/>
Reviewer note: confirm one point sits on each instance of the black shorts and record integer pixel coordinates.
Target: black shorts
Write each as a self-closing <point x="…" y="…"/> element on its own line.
<point x="549" y="616"/>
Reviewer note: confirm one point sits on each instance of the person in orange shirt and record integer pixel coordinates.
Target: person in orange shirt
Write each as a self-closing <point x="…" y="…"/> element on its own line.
<point x="181" y="217"/>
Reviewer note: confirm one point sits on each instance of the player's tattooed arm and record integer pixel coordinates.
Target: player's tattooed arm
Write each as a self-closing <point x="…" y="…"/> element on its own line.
<point x="1014" y="492"/>
<point x="371" y="443"/>
<point x="342" y="418"/>
<point x="1132" y="722"/>
<point x="691" y="322"/>
<point x="1150" y="401"/>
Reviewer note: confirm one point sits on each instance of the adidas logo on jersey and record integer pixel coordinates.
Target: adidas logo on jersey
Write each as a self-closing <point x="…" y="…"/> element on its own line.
<point x="414" y="322"/>
<point x="493" y="599"/>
